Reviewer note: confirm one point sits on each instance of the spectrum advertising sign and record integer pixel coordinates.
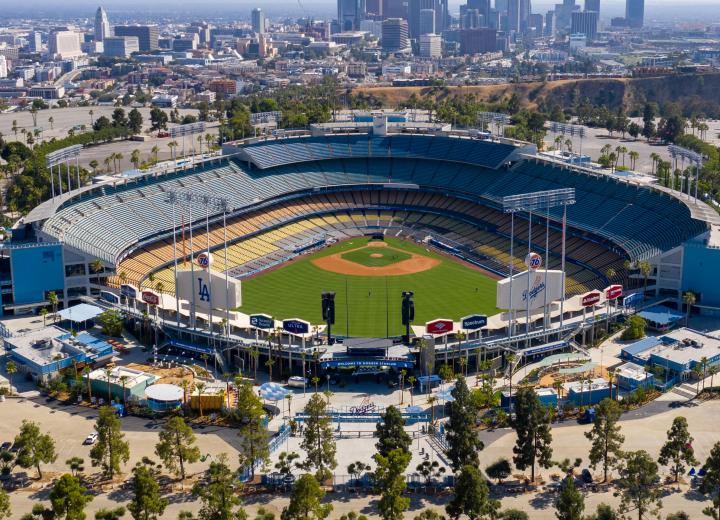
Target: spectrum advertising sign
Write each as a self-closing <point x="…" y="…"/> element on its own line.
<point x="542" y="289"/>
<point x="474" y="322"/>
<point x="208" y="288"/>
<point x="439" y="326"/>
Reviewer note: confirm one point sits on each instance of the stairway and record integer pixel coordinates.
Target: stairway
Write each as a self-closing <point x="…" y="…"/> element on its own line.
<point x="685" y="390"/>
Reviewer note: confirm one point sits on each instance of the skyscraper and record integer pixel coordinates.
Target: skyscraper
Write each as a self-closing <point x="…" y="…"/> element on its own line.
<point x="586" y="23"/>
<point x="416" y="6"/>
<point x="427" y="21"/>
<point x="350" y="14"/>
<point x="592" y="5"/>
<point x="65" y="44"/>
<point x="635" y="13"/>
<point x="395" y="35"/>
<point x="513" y="16"/>
<point x="258" y="20"/>
<point x="482" y="6"/>
<point x="102" y="25"/>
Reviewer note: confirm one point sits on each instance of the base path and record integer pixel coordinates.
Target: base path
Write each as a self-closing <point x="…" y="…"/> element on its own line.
<point x="337" y="264"/>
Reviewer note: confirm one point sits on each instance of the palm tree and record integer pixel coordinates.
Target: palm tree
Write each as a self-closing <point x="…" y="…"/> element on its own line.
<point x="510" y="359"/>
<point x="613" y="158"/>
<point x="96" y="265"/>
<point x="172" y="145"/>
<point x="411" y="383"/>
<point x="557" y="385"/>
<point x="43" y="313"/>
<point x="704" y="365"/>
<point x="123" y="382"/>
<point x="15" y="128"/>
<point x="92" y="113"/>
<point x="633" y="158"/>
<point x="10" y="368"/>
<point x="689" y="300"/>
<point x="108" y="375"/>
<point x="94" y="164"/>
<point x="611" y="374"/>
<point x="107" y="162"/>
<point x="53" y="299"/>
<point x="713" y="370"/>
<point x="645" y="269"/>
<point x="135" y="158"/>
<point x="316" y="382"/>
<point x="86" y="374"/>
<point x="154" y="151"/>
<point x="403" y="372"/>
<point x="185" y="384"/>
<point x="119" y="157"/>
<point x="200" y="387"/>
<point x="431" y="401"/>
<point x="51" y="120"/>
<point x="655" y="160"/>
<point x="254" y="355"/>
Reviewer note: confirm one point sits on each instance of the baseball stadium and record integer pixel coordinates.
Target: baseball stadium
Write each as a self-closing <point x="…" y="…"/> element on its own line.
<point x="367" y="213"/>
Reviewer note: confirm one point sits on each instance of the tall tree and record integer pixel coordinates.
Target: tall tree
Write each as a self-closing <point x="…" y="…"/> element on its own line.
<point x="318" y="441"/>
<point x="34" y="447"/>
<point x="390" y="482"/>
<point x="471" y="496"/>
<point x="305" y="501"/>
<point x="534" y="438"/>
<point x="111" y="447"/>
<point x="68" y="498"/>
<point x="710" y="485"/>
<point x="606" y="440"/>
<point x="462" y="439"/>
<point x="176" y="446"/>
<point x="217" y="493"/>
<point x="391" y="432"/>
<point x="639" y="484"/>
<point x="146" y="502"/>
<point x="570" y="503"/>
<point x="678" y="449"/>
<point x="135" y="121"/>
<point x="253" y="433"/>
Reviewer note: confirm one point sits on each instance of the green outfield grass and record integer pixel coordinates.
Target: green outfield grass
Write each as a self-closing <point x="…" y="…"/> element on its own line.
<point x="370" y="306"/>
<point x="363" y="256"/>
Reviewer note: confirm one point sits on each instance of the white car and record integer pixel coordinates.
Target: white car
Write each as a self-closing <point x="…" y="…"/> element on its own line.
<point x="90" y="439"/>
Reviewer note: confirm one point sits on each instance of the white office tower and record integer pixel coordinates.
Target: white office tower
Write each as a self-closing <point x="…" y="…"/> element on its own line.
<point x="102" y="25"/>
<point x="65" y="44"/>
<point x="3" y="67"/>
<point x="430" y="46"/>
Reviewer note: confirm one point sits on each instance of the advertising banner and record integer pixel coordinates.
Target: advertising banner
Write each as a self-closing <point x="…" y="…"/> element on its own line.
<point x="474" y="322"/>
<point x="207" y="287"/>
<point x="439" y="326"/>
<point x="296" y="326"/>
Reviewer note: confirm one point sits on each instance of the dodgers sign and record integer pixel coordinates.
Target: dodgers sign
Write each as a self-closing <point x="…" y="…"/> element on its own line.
<point x="474" y="322"/>
<point x="208" y="289"/>
<point x="296" y="326"/>
<point x="261" y="321"/>
<point x="545" y="287"/>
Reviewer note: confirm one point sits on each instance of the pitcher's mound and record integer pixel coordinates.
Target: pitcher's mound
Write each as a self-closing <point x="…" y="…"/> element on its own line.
<point x="376" y="255"/>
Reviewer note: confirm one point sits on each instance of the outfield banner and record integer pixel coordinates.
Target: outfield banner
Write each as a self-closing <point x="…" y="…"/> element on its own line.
<point x="613" y="292"/>
<point x="262" y="321"/>
<point x="540" y="292"/>
<point x="439" y="326"/>
<point x="591" y="298"/>
<point x="474" y="322"/>
<point x="150" y="297"/>
<point x="208" y="287"/>
<point x="296" y="326"/>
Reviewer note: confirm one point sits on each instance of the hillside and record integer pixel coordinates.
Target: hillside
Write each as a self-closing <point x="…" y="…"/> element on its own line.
<point x="695" y="93"/>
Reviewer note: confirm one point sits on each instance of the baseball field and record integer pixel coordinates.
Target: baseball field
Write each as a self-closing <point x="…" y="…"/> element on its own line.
<point x="368" y="279"/>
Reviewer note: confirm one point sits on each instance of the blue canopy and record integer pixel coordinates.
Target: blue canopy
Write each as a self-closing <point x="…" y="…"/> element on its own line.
<point x="273" y="392"/>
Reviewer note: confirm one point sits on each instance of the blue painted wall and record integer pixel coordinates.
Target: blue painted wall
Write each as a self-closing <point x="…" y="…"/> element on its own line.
<point x="35" y="271"/>
<point x="700" y="267"/>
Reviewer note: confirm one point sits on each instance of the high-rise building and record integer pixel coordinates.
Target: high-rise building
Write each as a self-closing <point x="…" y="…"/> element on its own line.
<point x="394" y="9"/>
<point x="471" y="19"/>
<point x="120" y="46"/>
<point x="427" y="21"/>
<point x="592" y="5"/>
<point x="65" y="44"/>
<point x="350" y="14"/>
<point x="635" y="13"/>
<point x="374" y="9"/>
<point x="563" y="14"/>
<point x="586" y="23"/>
<point x="102" y="25"/>
<point x="525" y="11"/>
<point x="430" y="46"/>
<point x="3" y="67"/>
<point x="148" y="35"/>
<point x="415" y="7"/>
<point x="550" y="24"/>
<point x="395" y="35"/>
<point x="35" y="39"/>
<point x="513" y="16"/>
<point x="258" y="21"/>
<point x="482" y="6"/>
<point x="478" y="41"/>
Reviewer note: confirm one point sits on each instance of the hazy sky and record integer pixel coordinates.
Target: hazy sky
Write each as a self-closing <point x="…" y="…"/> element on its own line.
<point x="700" y="10"/>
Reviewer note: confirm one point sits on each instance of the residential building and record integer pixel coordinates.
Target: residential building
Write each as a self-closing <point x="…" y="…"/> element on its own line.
<point x="395" y="35"/>
<point x="102" y="25"/>
<point x="357" y="69"/>
<point x="35" y="39"/>
<point x="3" y="67"/>
<point x="430" y="45"/>
<point x="148" y="35"/>
<point x="120" y="46"/>
<point x="258" y="21"/>
<point x="188" y="43"/>
<point x="228" y="87"/>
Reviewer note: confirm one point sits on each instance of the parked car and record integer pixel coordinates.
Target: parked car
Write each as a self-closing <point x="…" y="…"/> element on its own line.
<point x="91" y="439"/>
<point x="5" y="446"/>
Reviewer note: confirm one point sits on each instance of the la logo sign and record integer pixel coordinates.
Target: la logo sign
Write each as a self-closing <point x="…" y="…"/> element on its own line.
<point x="203" y="290"/>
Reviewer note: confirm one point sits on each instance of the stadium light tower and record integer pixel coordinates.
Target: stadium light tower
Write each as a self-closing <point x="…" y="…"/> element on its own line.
<point x="572" y="130"/>
<point x="678" y="152"/>
<point x="63" y="155"/>
<point x="537" y="202"/>
<point x="185" y="130"/>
